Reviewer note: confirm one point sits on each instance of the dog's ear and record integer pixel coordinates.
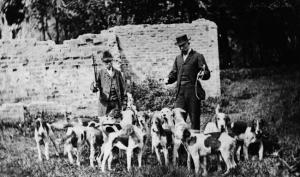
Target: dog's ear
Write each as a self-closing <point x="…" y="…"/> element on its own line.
<point x="183" y="114"/>
<point x="192" y="140"/>
<point x="253" y="125"/>
<point x="173" y="114"/>
<point x="217" y="109"/>
<point x="214" y="118"/>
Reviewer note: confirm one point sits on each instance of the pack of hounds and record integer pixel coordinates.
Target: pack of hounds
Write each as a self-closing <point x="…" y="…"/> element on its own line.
<point x="168" y="131"/>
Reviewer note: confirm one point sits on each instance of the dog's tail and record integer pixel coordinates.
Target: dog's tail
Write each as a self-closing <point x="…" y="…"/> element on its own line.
<point x="217" y="109"/>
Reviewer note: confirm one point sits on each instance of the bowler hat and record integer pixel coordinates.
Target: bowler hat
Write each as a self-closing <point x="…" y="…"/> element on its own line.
<point x="182" y="39"/>
<point x="107" y="57"/>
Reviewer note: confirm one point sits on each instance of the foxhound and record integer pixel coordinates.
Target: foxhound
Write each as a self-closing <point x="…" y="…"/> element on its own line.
<point x="128" y="138"/>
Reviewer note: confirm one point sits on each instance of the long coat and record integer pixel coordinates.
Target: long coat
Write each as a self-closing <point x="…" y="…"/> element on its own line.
<point x="194" y="63"/>
<point x="103" y="83"/>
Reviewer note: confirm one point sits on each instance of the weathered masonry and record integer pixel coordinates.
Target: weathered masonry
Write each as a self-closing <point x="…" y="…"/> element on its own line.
<point x="42" y="73"/>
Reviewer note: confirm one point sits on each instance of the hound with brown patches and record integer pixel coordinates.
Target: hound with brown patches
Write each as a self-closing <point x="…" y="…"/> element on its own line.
<point x="167" y="116"/>
<point x="128" y="139"/>
<point x="247" y="135"/>
<point x="128" y="117"/>
<point x="130" y="102"/>
<point x="43" y="135"/>
<point x="219" y="124"/>
<point x="143" y="120"/>
<point x="161" y="139"/>
<point x="75" y="139"/>
<point x="180" y="116"/>
<point x="201" y="145"/>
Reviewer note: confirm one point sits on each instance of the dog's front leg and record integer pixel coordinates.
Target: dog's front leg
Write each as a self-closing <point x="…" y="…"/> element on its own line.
<point x="166" y="155"/>
<point x="47" y="150"/>
<point x="68" y="151"/>
<point x="238" y="153"/>
<point x="140" y="154"/>
<point x="105" y="156"/>
<point x="226" y="158"/>
<point x="175" y="152"/>
<point x="110" y="158"/>
<point x="152" y="145"/>
<point x="196" y="161"/>
<point x="203" y="165"/>
<point x="39" y="150"/>
<point x="92" y="154"/>
<point x="158" y="155"/>
<point x="129" y="156"/>
<point x="100" y="157"/>
<point x="188" y="162"/>
<point x="261" y="151"/>
<point x="219" y="160"/>
<point x="79" y="154"/>
<point x="245" y="150"/>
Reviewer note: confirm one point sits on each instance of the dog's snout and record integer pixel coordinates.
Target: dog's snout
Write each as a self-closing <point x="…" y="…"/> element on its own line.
<point x="222" y="128"/>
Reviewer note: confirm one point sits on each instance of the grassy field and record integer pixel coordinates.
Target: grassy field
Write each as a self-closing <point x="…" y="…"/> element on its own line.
<point x="270" y="94"/>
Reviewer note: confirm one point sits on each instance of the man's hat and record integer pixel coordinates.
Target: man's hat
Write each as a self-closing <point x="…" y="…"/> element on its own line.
<point x="182" y="39"/>
<point x="107" y="57"/>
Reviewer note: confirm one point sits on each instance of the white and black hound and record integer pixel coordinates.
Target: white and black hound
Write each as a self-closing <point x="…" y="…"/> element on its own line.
<point x="201" y="145"/>
<point x="128" y="138"/>
<point x="246" y="135"/>
<point x="75" y="139"/>
<point x="219" y="124"/>
<point x="43" y="135"/>
<point x="180" y="124"/>
<point x="161" y="139"/>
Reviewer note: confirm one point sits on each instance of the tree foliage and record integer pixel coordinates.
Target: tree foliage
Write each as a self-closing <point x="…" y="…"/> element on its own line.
<point x="252" y="33"/>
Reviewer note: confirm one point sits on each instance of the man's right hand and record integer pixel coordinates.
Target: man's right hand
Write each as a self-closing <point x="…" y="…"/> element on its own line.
<point x="93" y="87"/>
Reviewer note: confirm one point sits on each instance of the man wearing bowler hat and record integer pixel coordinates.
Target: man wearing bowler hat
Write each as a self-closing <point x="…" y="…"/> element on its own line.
<point x="188" y="69"/>
<point x="110" y="84"/>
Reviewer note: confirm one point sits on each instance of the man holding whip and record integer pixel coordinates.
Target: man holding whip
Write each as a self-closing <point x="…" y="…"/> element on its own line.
<point x="188" y="70"/>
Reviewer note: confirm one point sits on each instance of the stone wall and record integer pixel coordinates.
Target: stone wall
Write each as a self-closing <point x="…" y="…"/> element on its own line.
<point x="150" y="49"/>
<point x="34" y="71"/>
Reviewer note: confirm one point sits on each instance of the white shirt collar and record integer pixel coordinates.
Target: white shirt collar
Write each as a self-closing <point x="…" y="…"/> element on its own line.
<point x="110" y="71"/>
<point x="187" y="54"/>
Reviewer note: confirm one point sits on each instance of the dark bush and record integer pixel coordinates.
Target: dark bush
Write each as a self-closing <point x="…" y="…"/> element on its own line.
<point x="151" y="94"/>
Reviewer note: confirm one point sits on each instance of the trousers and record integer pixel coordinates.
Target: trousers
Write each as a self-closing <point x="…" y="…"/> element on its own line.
<point x="187" y="100"/>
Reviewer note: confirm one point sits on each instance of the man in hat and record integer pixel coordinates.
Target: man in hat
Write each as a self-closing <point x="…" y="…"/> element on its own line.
<point x="188" y="69"/>
<point x="111" y="86"/>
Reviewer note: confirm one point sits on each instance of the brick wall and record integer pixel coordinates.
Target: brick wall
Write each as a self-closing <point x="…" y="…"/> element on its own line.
<point x="149" y="50"/>
<point x="40" y="71"/>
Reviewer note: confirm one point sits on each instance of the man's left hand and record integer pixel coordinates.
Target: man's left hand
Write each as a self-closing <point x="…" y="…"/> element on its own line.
<point x="201" y="73"/>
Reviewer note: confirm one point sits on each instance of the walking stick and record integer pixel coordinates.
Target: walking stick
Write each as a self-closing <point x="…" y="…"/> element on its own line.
<point x="95" y="74"/>
<point x="95" y="68"/>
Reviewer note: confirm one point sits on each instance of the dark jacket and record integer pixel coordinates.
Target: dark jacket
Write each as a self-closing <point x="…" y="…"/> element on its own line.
<point x="104" y="85"/>
<point x="194" y="63"/>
